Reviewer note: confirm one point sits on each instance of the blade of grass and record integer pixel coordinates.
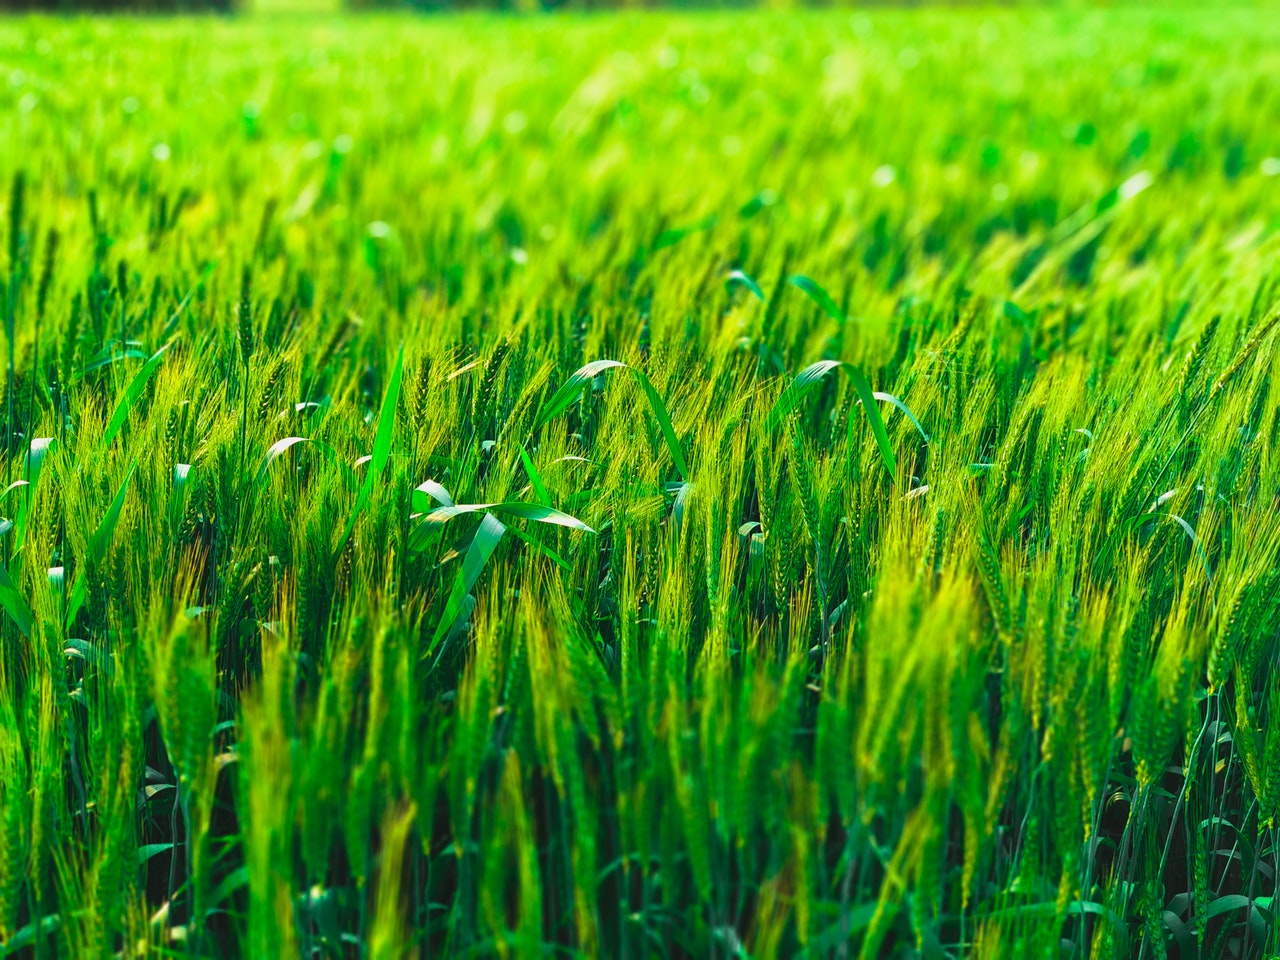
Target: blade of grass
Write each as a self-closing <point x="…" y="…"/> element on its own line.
<point x="535" y="478"/>
<point x="131" y="394"/>
<point x="818" y="295"/>
<point x="485" y="541"/>
<point x="14" y="605"/>
<point x="525" y="511"/>
<point x="664" y="422"/>
<point x="381" y="448"/>
<point x="572" y="388"/>
<point x="280" y="446"/>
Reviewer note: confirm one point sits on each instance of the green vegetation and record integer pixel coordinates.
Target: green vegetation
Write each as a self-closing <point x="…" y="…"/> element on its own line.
<point x="734" y="485"/>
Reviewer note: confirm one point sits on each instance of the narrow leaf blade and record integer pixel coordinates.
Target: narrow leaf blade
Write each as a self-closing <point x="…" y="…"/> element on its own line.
<point x="798" y="389"/>
<point x="564" y="397"/>
<point x="818" y="295"/>
<point x="664" y="423"/>
<point x="867" y="395"/>
<point x="131" y="394"/>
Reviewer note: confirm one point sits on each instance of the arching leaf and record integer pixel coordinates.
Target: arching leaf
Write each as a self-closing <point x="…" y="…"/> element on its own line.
<point x="819" y="296"/>
<point x="564" y="397"/>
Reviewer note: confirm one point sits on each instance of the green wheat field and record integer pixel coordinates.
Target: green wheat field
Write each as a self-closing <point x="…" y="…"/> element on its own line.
<point x="730" y="484"/>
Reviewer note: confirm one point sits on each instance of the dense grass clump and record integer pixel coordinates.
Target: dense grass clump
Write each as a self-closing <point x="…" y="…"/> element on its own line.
<point x="735" y="485"/>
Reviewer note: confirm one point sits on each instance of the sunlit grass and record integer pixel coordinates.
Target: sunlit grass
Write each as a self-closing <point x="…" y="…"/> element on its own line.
<point x="647" y="485"/>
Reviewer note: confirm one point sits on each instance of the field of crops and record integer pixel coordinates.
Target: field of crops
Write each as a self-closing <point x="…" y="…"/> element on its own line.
<point x="720" y="485"/>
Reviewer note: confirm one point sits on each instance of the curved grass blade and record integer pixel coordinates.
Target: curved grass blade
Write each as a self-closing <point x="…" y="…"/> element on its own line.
<point x="232" y="882"/>
<point x="525" y="511"/>
<point x="809" y="377"/>
<point x="381" y="447"/>
<point x="668" y="238"/>
<point x="98" y="545"/>
<point x="30" y="934"/>
<point x="664" y="422"/>
<point x="131" y="394"/>
<point x="14" y="605"/>
<point x="128" y="353"/>
<point x="425" y="495"/>
<point x="535" y="478"/>
<point x="149" y="850"/>
<point x="79" y="591"/>
<point x="564" y="397"/>
<point x="819" y="296"/>
<point x="540" y="547"/>
<point x="427" y="491"/>
<point x="12" y="487"/>
<point x="482" y="546"/>
<point x="280" y="446"/>
<point x="107" y="527"/>
<point x="186" y="300"/>
<point x="35" y="462"/>
<point x="744" y="278"/>
<point x="1197" y="545"/>
<point x="867" y="395"/>
<point x="573" y="386"/>
<point x="798" y="389"/>
<point x="178" y="496"/>
<point x="890" y="398"/>
<point x="89" y="653"/>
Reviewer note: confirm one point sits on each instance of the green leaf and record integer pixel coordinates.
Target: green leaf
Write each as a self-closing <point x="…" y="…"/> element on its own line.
<point x="673" y="236"/>
<point x="79" y="590"/>
<point x="186" y="300"/>
<point x="387" y="416"/>
<point x="77" y="648"/>
<point x="98" y="545"/>
<point x="482" y="546"/>
<point x="810" y="376"/>
<point x="890" y="398"/>
<point x="149" y="850"/>
<point x="664" y="422"/>
<point x="280" y="446"/>
<point x="107" y="527"/>
<point x="17" y="484"/>
<point x="232" y="882"/>
<point x="573" y="386"/>
<point x="1015" y="313"/>
<point x="427" y="491"/>
<point x="540" y="547"/>
<point x="820" y="297"/>
<point x="135" y="388"/>
<point x="1189" y="530"/>
<point x="27" y="936"/>
<point x="1227" y="904"/>
<point x="535" y="478"/>
<point x="106" y="359"/>
<point x="14" y="605"/>
<point x="525" y="511"/>
<point x="564" y="397"/>
<point x="872" y="412"/>
<point x="34" y="462"/>
<point x="381" y="447"/>
<point x="743" y="278"/>
<point x="178" y="496"/>
<point x="798" y="389"/>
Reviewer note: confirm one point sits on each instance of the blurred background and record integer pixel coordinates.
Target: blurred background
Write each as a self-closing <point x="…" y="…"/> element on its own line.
<point x="333" y="6"/>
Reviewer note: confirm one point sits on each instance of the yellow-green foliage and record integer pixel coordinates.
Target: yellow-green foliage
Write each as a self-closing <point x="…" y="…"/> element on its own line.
<point x="907" y="585"/>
